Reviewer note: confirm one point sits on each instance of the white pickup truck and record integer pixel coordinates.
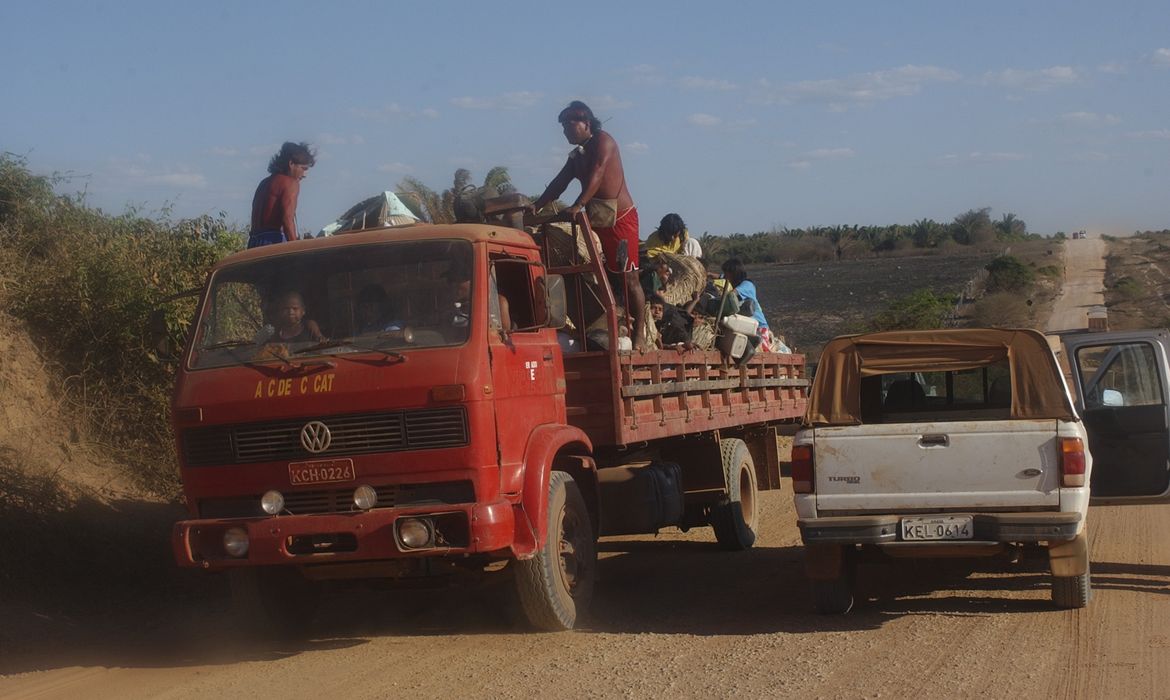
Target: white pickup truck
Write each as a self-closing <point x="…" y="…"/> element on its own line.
<point x="954" y="443"/>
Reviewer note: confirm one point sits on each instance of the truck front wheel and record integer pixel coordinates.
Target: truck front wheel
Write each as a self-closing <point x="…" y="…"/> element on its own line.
<point x="734" y="522"/>
<point x="555" y="586"/>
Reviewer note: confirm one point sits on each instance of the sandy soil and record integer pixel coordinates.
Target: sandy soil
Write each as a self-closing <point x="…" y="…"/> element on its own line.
<point x="673" y="616"/>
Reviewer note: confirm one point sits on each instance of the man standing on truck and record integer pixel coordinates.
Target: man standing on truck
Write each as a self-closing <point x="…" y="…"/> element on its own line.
<point x="597" y="164"/>
<point x="274" y="206"/>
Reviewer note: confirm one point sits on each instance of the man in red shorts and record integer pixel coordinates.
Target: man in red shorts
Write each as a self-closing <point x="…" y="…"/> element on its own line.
<point x="274" y="206"/>
<point x="597" y="164"/>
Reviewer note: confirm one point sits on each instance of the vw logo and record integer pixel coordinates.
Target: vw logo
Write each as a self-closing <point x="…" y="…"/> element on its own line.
<point x="315" y="437"/>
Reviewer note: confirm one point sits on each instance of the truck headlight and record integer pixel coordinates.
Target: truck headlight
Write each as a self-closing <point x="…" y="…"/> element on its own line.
<point x="365" y="497"/>
<point x="235" y="541"/>
<point x="415" y="532"/>
<point x="272" y="502"/>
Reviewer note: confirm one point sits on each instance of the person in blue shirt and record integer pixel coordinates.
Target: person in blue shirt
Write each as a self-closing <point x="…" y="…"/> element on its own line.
<point x="735" y="273"/>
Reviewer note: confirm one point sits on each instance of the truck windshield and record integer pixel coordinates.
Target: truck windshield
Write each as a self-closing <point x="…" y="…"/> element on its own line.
<point x="394" y="296"/>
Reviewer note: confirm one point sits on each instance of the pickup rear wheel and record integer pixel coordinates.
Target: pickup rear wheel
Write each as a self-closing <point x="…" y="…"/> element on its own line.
<point x="555" y="586"/>
<point x="834" y="596"/>
<point x="734" y="522"/>
<point x="274" y="600"/>
<point x="1072" y="591"/>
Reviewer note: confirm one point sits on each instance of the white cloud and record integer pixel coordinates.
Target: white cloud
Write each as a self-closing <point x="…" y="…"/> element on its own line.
<point x="340" y="139"/>
<point x="799" y="164"/>
<point x="830" y="154"/>
<point x="392" y="111"/>
<point x="179" y="179"/>
<point x="266" y="149"/>
<point x="225" y="151"/>
<point x="705" y="120"/>
<point x="1161" y="57"/>
<point x="697" y="83"/>
<point x="605" y="103"/>
<point x="981" y="157"/>
<point x="1112" y="68"/>
<point x="1034" y="80"/>
<point x="1089" y="119"/>
<point x="644" y="74"/>
<point x="636" y="147"/>
<point x="505" y="101"/>
<point x="395" y="168"/>
<point x="857" y="89"/>
<point x="1154" y="134"/>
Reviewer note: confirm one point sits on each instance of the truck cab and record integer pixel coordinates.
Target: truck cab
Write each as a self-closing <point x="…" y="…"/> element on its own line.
<point x="395" y="425"/>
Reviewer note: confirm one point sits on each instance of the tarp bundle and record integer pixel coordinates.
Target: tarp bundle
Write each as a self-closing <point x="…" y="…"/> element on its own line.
<point x="1038" y="389"/>
<point x="384" y="209"/>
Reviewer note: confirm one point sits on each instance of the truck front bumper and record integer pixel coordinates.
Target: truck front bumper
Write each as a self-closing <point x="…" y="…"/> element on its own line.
<point x="345" y="537"/>
<point x="988" y="528"/>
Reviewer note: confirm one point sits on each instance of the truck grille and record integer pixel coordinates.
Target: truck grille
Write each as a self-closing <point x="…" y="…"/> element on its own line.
<point x="363" y="433"/>
<point x="341" y="500"/>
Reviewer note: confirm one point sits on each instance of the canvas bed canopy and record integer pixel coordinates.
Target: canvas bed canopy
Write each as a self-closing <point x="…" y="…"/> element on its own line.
<point x="1038" y="389"/>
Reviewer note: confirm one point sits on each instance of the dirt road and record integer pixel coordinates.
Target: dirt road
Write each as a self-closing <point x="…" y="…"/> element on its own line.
<point x="674" y="616"/>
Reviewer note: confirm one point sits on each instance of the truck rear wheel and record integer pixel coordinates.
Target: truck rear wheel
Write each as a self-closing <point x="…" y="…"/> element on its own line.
<point x="834" y="596"/>
<point x="1072" y="591"/>
<point x="274" y="600"/>
<point x="734" y="522"/>
<point x="555" y="586"/>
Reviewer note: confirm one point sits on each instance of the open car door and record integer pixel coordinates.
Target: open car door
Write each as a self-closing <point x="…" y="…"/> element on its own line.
<point x="1120" y="381"/>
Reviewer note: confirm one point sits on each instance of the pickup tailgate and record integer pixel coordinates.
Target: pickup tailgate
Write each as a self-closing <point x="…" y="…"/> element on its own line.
<point x="932" y="466"/>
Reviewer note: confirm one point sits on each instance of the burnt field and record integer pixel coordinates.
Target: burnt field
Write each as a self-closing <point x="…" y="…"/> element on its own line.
<point x="810" y="303"/>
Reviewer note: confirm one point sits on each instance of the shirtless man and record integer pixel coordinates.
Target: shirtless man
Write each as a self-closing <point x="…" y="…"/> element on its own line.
<point x="597" y="164"/>
<point x="274" y="206"/>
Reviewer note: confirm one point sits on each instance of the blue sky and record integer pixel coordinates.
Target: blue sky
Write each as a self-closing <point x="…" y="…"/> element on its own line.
<point x="741" y="117"/>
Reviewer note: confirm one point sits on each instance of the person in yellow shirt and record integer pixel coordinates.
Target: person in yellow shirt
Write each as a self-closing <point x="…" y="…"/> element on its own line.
<point x="671" y="237"/>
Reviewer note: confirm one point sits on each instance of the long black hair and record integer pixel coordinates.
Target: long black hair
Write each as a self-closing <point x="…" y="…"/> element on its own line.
<point x="734" y="271"/>
<point x="299" y="153"/>
<point x="579" y="111"/>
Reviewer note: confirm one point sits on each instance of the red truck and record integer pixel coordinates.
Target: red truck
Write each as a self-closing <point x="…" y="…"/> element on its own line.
<point x="425" y="438"/>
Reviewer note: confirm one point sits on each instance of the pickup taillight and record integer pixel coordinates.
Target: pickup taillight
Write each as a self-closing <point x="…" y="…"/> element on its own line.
<point x="1072" y="462"/>
<point x="802" y="468"/>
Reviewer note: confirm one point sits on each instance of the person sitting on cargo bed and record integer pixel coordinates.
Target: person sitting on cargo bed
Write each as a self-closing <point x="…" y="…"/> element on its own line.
<point x="674" y="325"/>
<point x="735" y="273"/>
<point x="274" y="206"/>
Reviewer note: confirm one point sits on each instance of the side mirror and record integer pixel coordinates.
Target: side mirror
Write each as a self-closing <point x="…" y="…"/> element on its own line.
<point x="160" y="337"/>
<point x="555" y="305"/>
<point x="1112" y="397"/>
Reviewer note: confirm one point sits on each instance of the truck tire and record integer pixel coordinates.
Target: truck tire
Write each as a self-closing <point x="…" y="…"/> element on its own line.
<point x="555" y="586"/>
<point x="1072" y="591"/>
<point x="734" y="522"/>
<point x="834" y="596"/>
<point x="273" y="601"/>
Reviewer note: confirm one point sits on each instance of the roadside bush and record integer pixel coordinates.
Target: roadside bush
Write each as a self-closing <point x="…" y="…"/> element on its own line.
<point x="1003" y="310"/>
<point x="85" y="283"/>
<point x="1129" y="288"/>
<point x="1007" y="274"/>
<point x="919" y="310"/>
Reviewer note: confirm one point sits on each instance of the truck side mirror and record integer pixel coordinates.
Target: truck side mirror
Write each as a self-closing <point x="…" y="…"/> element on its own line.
<point x="160" y="337"/>
<point x="555" y="311"/>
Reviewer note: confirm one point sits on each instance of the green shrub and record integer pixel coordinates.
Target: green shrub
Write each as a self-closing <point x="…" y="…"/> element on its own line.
<point x="1007" y="274"/>
<point x="921" y="309"/>
<point x="85" y="284"/>
<point x="1003" y="310"/>
<point x="1050" y="271"/>
<point x="1129" y="288"/>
